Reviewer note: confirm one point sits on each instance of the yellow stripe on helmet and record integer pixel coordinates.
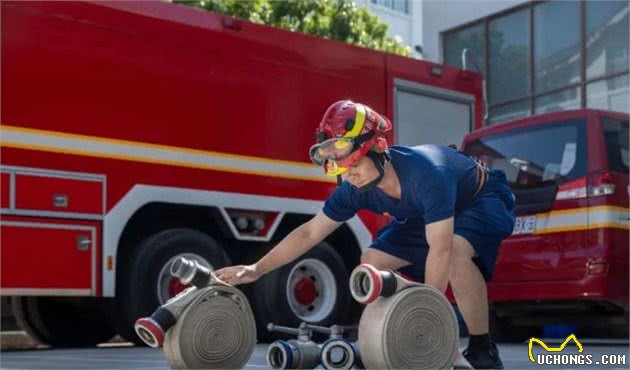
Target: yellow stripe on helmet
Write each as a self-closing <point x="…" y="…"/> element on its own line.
<point x="359" y="122"/>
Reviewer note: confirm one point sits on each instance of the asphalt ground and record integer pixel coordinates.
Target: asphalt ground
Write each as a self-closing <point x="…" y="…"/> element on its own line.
<point x="125" y="356"/>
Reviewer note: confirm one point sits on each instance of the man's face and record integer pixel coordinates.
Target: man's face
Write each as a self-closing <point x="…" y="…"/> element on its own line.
<point x="361" y="173"/>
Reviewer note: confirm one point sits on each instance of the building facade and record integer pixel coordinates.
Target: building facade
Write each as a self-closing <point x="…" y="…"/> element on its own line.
<point x="404" y="18"/>
<point x="536" y="56"/>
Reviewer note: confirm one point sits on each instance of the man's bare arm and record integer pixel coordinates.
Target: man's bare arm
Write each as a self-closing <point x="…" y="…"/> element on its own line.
<point x="298" y="242"/>
<point x="440" y="239"/>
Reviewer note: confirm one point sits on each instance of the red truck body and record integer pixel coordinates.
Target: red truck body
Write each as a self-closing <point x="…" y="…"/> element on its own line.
<point x="136" y="132"/>
<point x="567" y="261"/>
<point x="124" y="120"/>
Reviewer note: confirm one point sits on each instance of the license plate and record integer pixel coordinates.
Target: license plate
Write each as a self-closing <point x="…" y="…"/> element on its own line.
<point x="524" y="225"/>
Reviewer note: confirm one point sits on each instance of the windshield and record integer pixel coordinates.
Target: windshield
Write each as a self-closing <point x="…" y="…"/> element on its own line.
<point x="537" y="156"/>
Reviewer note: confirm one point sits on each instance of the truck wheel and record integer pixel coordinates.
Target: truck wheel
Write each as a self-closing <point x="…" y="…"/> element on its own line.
<point x="312" y="289"/>
<point x="62" y="322"/>
<point x="145" y="281"/>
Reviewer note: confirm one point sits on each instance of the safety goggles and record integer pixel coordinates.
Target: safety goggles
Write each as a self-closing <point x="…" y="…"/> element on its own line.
<point x="339" y="153"/>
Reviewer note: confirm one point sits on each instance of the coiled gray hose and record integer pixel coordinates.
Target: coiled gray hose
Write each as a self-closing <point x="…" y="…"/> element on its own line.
<point x="215" y="331"/>
<point x="415" y="328"/>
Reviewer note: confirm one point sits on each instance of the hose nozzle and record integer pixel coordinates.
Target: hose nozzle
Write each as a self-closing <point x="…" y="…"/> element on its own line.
<point x="190" y="271"/>
<point x="368" y="283"/>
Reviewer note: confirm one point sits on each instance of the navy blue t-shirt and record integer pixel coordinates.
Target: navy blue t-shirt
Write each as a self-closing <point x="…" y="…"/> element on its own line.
<point x="434" y="182"/>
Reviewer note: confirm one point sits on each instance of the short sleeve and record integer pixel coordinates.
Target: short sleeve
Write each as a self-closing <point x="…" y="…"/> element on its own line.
<point x="343" y="204"/>
<point x="437" y="192"/>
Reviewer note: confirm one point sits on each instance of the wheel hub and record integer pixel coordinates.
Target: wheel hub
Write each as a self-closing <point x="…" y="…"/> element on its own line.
<point x="311" y="290"/>
<point x="305" y="291"/>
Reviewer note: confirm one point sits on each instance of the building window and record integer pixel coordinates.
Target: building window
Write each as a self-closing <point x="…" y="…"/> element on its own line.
<point x="609" y="94"/>
<point x="510" y="111"/>
<point x="508" y="57"/>
<point x="606" y="37"/>
<point x="470" y="38"/>
<point x="401" y="6"/>
<point x="562" y="100"/>
<point x="549" y="56"/>
<point x="556" y="45"/>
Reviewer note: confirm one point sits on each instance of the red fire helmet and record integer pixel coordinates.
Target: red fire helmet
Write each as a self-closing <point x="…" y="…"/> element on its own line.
<point x="345" y="134"/>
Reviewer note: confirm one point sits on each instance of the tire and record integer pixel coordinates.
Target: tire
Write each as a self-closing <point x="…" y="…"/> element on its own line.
<point x="502" y="332"/>
<point x="312" y="289"/>
<point x="63" y="322"/>
<point x="144" y="282"/>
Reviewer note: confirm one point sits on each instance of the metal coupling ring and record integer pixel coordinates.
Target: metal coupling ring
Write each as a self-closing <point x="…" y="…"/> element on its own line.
<point x="340" y="354"/>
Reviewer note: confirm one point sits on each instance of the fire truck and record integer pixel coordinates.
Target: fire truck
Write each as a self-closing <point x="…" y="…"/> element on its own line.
<point x="137" y="132"/>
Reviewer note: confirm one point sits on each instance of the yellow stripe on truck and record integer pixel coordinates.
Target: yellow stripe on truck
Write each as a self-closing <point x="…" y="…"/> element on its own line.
<point x="102" y="147"/>
<point x="583" y="218"/>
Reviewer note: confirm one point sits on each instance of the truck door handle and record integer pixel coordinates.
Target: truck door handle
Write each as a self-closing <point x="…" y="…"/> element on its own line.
<point x="60" y="200"/>
<point x="83" y="242"/>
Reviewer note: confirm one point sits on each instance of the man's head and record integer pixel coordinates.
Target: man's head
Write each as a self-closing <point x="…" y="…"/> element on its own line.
<point x="350" y="133"/>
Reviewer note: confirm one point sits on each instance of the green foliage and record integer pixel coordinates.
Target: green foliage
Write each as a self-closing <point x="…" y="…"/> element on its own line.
<point x="333" y="19"/>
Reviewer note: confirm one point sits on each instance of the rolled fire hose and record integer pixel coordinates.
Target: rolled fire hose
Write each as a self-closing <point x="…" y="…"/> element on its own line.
<point x="215" y="329"/>
<point x="406" y="325"/>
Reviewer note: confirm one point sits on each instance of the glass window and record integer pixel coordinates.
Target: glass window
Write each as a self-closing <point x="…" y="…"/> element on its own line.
<point x="508" y="54"/>
<point x="566" y="99"/>
<point x="536" y="157"/>
<point x="510" y="111"/>
<point x="617" y="140"/>
<point x="610" y="94"/>
<point x="470" y="38"/>
<point x="400" y="5"/>
<point x="556" y="45"/>
<point x="607" y="39"/>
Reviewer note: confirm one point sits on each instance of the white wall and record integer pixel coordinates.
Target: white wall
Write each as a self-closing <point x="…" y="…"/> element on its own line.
<point x="441" y="15"/>
<point x="407" y="26"/>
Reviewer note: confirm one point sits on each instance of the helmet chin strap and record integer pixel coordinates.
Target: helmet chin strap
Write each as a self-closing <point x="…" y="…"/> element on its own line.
<point x="379" y="160"/>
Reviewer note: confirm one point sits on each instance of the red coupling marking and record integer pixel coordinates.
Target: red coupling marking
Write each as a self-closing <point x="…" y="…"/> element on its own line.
<point x="376" y="288"/>
<point x="153" y="328"/>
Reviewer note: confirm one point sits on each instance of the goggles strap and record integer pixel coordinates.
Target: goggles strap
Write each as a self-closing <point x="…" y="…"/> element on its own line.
<point x="379" y="160"/>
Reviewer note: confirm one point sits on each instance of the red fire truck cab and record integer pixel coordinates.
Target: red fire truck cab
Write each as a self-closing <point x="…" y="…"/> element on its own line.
<point x="567" y="260"/>
<point x="136" y="132"/>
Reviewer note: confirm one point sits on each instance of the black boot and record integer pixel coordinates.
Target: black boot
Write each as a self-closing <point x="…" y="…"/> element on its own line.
<point x="484" y="357"/>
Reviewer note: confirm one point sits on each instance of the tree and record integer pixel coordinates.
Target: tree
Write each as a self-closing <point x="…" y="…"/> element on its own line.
<point x="338" y="20"/>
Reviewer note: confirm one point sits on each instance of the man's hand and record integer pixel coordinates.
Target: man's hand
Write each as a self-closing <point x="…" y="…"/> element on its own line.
<point x="240" y="274"/>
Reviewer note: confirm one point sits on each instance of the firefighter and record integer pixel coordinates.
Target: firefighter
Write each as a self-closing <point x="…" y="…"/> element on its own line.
<point x="449" y="214"/>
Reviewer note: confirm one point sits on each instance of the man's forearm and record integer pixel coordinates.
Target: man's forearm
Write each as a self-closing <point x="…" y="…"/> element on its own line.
<point x="437" y="268"/>
<point x="291" y="247"/>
